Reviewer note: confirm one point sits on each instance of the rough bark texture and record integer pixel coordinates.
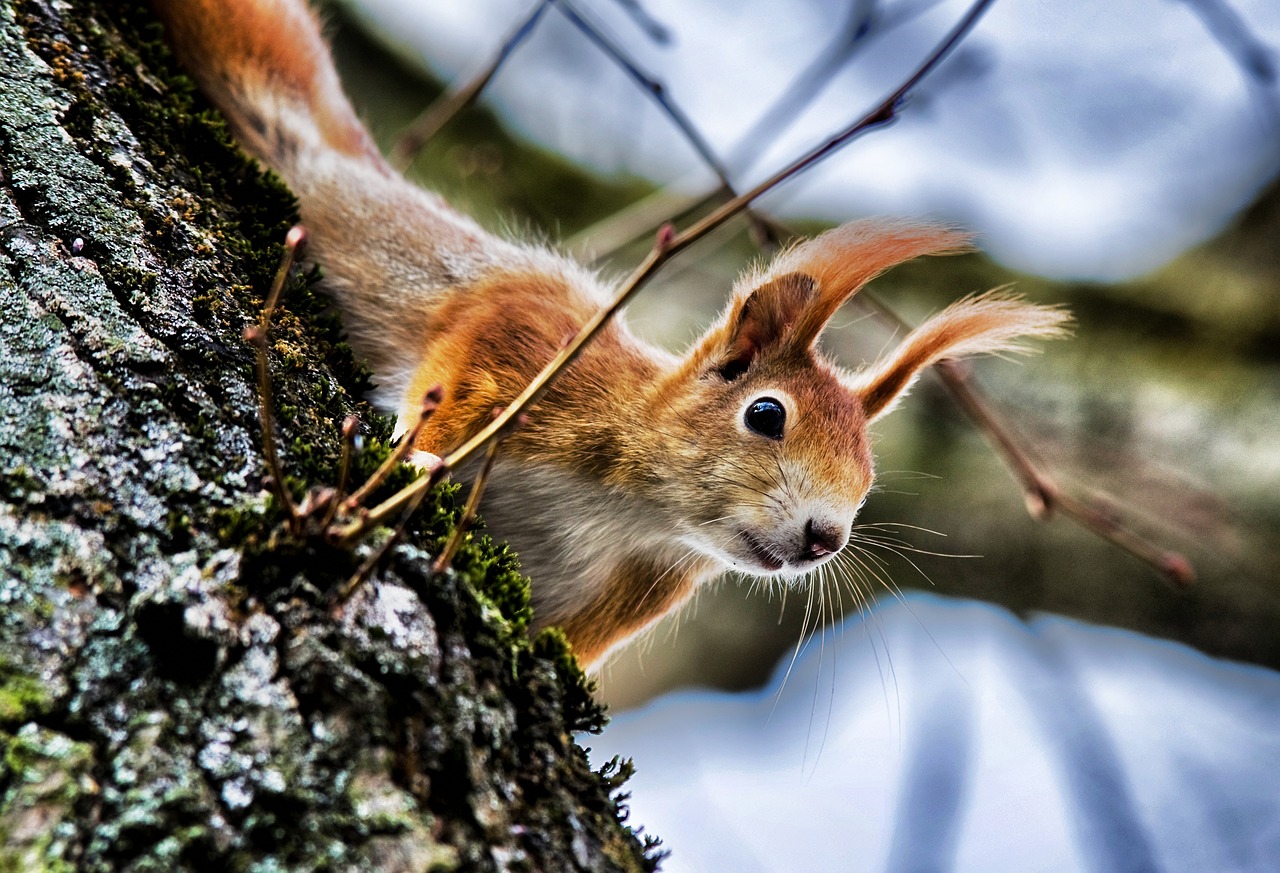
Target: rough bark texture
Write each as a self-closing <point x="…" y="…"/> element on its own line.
<point x="175" y="692"/>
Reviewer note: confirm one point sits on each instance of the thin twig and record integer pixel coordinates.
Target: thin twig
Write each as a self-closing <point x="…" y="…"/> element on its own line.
<point x="430" y="401"/>
<point x="653" y="28"/>
<point x="1254" y="57"/>
<point x="445" y="558"/>
<point x="1041" y="493"/>
<point x="649" y="84"/>
<point x="428" y="479"/>
<point x="350" y="429"/>
<point x="864" y="25"/>
<point x="294" y="242"/>
<point x="667" y="245"/>
<point x="442" y="111"/>
<point x="638" y="219"/>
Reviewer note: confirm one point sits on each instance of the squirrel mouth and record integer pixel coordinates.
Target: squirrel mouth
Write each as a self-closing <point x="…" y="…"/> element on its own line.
<point x="762" y="554"/>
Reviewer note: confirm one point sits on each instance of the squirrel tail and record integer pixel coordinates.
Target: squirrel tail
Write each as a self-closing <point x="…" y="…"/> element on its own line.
<point x="391" y="252"/>
<point x="266" y="66"/>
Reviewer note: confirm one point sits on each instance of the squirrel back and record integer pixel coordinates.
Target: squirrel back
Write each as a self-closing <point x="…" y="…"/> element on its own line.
<point x="640" y="473"/>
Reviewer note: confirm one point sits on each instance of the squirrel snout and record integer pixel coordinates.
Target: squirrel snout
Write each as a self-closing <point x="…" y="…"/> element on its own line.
<point x="822" y="538"/>
<point x="777" y="552"/>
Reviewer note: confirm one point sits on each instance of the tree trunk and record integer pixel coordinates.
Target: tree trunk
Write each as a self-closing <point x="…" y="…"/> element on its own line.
<point x="176" y="689"/>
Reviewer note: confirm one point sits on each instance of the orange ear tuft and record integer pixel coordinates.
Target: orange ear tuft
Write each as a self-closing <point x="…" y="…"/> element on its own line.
<point x="784" y="307"/>
<point x="842" y="260"/>
<point x="985" y="324"/>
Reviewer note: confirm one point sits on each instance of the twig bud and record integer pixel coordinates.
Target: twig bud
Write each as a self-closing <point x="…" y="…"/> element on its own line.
<point x="1178" y="569"/>
<point x="296" y="239"/>
<point x="666" y="236"/>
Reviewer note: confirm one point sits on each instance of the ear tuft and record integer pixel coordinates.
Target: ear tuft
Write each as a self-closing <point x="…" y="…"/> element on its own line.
<point x="983" y="324"/>
<point x="843" y="260"/>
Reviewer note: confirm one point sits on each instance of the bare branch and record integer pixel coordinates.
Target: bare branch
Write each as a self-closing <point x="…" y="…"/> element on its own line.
<point x="445" y="558"/>
<point x="427" y="480"/>
<point x="430" y="401"/>
<point x="1042" y="494"/>
<point x="655" y="29"/>
<point x="658" y="92"/>
<point x="350" y="428"/>
<point x="865" y="23"/>
<point x="1229" y="28"/>
<point x="442" y="111"/>
<point x="295" y="240"/>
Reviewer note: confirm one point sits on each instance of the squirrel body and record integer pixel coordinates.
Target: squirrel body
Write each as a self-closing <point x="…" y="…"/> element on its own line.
<point x="639" y="473"/>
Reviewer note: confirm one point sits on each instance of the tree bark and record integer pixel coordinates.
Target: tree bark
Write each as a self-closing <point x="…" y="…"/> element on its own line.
<point x="176" y="690"/>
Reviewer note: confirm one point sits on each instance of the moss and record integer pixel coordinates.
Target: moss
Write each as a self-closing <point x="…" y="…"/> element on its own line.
<point x="582" y="711"/>
<point x="50" y="774"/>
<point x="231" y="717"/>
<point x="22" y="697"/>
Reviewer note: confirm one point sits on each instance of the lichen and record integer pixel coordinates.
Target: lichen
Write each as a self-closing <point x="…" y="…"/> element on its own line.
<point x="177" y="690"/>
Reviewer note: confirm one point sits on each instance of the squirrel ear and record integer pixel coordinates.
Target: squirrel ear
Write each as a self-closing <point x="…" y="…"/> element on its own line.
<point x="843" y="260"/>
<point x="761" y="320"/>
<point x="985" y="324"/>
<point x="790" y="301"/>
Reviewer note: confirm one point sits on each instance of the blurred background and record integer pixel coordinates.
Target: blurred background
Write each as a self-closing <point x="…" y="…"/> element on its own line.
<point x="1023" y="696"/>
<point x="1119" y="159"/>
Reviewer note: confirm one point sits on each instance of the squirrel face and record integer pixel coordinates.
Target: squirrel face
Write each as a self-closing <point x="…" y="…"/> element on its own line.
<point x="780" y="474"/>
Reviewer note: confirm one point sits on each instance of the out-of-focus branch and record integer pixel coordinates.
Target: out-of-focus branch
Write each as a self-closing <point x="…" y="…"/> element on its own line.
<point x="1042" y="494"/>
<point x="657" y="90"/>
<point x="438" y="114"/>
<point x="1040" y="491"/>
<point x="655" y="29"/>
<point x="865" y="23"/>
<point x="1228" y="27"/>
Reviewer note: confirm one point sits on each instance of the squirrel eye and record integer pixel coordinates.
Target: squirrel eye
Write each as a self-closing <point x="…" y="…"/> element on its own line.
<point x="766" y="417"/>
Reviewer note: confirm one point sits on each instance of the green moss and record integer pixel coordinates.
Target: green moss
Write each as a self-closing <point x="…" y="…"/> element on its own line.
<point x="583" y="712"/>
<point x="47" y="774"/>
<point x="22" y="697"/>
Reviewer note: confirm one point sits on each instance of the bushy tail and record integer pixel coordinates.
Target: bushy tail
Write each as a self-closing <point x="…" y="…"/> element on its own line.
<point x="267" y="68"/>
<point x="390" y="250"/>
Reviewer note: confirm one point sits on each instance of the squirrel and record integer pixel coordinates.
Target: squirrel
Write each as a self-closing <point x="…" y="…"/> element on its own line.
<point x="640" y="473"/>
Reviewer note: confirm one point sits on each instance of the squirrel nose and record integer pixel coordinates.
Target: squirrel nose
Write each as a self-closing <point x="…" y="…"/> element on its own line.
<point x="822" y="538"/>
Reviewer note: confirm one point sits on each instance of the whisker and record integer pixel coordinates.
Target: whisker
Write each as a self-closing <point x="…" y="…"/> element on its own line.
<point x="899" y="546"/>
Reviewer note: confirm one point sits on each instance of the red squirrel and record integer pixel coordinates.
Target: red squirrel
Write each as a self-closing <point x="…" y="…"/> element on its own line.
<point x="640" y="473"/>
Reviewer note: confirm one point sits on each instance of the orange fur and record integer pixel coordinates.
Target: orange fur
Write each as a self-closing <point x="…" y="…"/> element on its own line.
<point x="640" y="473"/>
<point x="274" y="48"/>
<point x="983" y="324"/>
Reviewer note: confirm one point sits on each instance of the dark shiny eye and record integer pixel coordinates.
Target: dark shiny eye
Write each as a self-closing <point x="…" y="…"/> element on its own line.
<point x="766" y="417"/>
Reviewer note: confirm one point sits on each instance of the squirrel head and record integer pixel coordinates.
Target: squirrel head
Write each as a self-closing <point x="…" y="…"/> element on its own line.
<point x="765" y="442"/>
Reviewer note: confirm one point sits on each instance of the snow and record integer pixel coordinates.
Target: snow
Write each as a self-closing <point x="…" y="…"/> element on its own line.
<point x="1090" y="139"/>
<point x="935" y="734"/>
